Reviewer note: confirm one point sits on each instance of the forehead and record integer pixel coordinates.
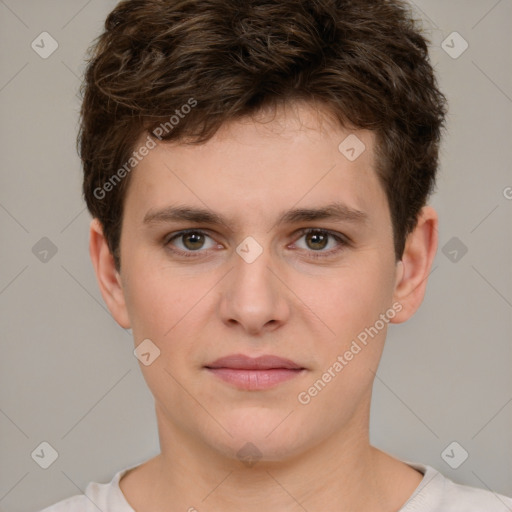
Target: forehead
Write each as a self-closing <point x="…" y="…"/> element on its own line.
<point x="296" y="155"/>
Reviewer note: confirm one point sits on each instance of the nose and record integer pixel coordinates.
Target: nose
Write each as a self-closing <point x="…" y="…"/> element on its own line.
<point x="253" y="299"/>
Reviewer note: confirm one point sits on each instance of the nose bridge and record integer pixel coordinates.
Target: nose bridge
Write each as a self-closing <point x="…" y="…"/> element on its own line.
<point x="251" y="277"/>
<point x="252" y="274"/>
<point x="253" y="297"/>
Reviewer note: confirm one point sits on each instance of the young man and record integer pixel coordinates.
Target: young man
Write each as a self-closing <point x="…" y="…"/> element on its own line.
<point x="258" y="175"/>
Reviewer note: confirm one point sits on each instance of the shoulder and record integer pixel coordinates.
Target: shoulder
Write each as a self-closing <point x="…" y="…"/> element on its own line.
<point x="436" y="493"/>
<point x="475" y="499"/>
<point x="105" y="497"/>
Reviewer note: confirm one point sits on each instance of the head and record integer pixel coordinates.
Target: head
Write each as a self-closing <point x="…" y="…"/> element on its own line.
<point x="271" y="118"/>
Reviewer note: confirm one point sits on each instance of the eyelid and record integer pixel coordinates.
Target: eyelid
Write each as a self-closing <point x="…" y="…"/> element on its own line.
<point x="335" y="234"/>
<point x="181" y="232"/>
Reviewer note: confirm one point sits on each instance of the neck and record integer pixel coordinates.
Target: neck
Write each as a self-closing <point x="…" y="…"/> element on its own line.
<point x="344" y="469"/>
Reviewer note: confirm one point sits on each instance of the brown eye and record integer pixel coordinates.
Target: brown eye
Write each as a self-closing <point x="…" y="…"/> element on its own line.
<point x="193" y="241"/>
<point x="187" y="242"/>
<point x="320" y="243"/>
<point x="317" y="240"/>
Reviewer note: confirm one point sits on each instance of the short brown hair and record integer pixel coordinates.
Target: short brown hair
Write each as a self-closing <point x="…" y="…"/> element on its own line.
<point x="365" y="60"/>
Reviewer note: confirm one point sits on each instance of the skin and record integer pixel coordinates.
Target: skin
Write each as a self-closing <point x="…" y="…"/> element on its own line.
<point x="286" y="303"/>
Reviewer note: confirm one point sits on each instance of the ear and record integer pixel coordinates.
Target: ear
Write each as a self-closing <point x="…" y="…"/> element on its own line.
<point x="108" y="277"/>
<point x="413" y="270"/>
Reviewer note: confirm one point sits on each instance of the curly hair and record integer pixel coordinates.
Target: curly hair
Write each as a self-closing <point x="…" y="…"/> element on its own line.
<point x="366" y="61"/>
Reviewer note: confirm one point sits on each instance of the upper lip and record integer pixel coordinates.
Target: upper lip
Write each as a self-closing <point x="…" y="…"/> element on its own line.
<point x="243" y="362"/>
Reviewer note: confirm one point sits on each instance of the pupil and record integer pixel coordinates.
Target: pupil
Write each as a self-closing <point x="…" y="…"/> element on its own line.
<point x="318" y="239"/>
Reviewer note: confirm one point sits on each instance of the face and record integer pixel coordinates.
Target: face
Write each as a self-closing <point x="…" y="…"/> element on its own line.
<point x="265" y="242"/>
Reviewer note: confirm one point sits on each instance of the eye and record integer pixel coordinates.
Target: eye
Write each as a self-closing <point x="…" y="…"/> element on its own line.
<point x="190" y="240"/>
<point x="318" y="243"/>
<point x="321" y="241"/>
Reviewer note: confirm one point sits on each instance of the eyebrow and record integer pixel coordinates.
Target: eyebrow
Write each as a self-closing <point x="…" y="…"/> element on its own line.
<point x="333" y="211"/>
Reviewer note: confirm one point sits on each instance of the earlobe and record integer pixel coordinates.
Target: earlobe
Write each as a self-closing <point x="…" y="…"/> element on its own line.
<point x="413" y="270"/>
<point x="108" y="278"/>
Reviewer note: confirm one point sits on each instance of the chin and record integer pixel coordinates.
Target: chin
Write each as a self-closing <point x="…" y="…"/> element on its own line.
<point x="261" y="435"/>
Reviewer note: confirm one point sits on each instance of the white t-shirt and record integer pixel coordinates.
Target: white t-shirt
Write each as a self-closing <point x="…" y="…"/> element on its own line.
<point x="435" y="493"/>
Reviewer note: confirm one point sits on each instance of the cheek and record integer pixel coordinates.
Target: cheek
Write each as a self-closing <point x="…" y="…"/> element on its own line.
<point x="351" y="305"/>
<point x="353" y="298"/>
<point x="158" y="308"/>
<point x="171" y="309"/>
<point x="156" y="300"/>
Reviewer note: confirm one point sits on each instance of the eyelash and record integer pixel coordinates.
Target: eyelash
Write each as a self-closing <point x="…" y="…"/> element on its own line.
<point x="342" y="240"/>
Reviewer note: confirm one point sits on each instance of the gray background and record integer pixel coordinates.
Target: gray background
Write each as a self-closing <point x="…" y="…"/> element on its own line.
<point x="68" y="374"/>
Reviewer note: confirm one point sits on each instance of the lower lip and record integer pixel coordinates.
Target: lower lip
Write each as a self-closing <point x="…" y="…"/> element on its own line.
<point x="254" y="380"/>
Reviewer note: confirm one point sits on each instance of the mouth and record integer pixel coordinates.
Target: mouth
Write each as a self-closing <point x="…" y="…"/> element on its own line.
<point x="254" y="374"/>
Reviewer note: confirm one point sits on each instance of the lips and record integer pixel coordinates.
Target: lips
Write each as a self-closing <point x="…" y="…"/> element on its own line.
<point x="254" y="374"/>
<point x="242" y="362"/>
